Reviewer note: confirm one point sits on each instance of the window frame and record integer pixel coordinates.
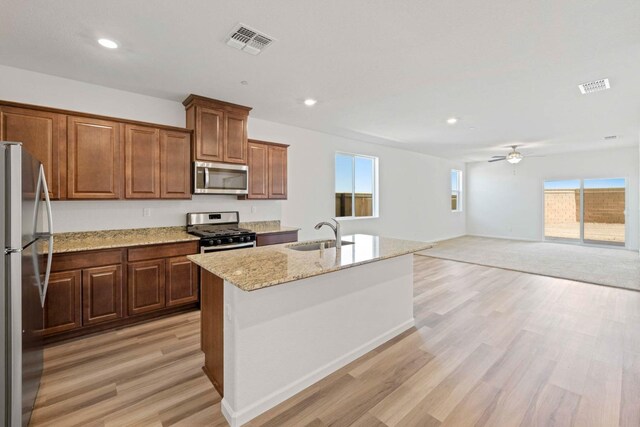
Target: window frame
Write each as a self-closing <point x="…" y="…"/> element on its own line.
<point x="458" y="191"/>
<point x="374" y="183"/>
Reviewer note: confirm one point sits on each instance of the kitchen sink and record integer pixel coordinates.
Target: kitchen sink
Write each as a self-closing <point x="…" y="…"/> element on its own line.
<point x="315" y="246"/>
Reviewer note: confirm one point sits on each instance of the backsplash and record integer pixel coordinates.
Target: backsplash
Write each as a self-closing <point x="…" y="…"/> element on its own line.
<point x="127" y="214"/>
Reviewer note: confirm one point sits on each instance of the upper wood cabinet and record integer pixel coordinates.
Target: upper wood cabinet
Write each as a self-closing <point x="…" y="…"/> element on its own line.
<point x="175" y="165"/>
<point x="208" y="124"/>
<point x="235" y="141"/>
<point x="267" y="170"/>
<point x="142" y="162"/>
<point x="277" y="171"/>
<point x="94" y="159"/>
<point x="41" y="134"/>
<point x="157" y="163"/>
<point x="258" y="170"/>
<point x="220" y="129"/>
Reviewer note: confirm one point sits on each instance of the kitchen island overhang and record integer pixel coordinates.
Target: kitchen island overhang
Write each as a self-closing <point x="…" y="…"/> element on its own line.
<point x="265" y="345"/>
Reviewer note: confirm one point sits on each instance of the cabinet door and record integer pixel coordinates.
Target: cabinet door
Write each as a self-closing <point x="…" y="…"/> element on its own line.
<point x="94" y="164"/>
<point x="209" y="134"/>
<point x="41" y="134"/>
<point x="277" y="172"/>
<point x="175" y="165"/>
<point x="142" y="162"/>
<point x="62" y="308"/>
<point x="258" y="171"/>
<point x="235" y="141"/>
<point x="181" y="281"/>
<point x="146" y="286"/>
<point x="101" y="294"/>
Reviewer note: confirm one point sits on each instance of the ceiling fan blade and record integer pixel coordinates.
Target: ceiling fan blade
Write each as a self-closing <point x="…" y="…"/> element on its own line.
<point x="497" y="160"/>
<point x="495" y="157"/>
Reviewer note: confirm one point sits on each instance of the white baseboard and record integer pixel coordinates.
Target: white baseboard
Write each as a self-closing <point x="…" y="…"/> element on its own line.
<point x="441" y="239"/>
<point x="238" y="418"/>
<point x="490" y="236"/>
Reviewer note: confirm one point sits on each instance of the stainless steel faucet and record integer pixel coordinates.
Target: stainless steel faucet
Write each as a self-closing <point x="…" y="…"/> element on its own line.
<point x="335" y="228"/>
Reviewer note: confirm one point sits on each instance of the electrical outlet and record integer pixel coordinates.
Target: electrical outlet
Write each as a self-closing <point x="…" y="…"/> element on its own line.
<point x="253" y="209"/>
<point x="146" y="212"/>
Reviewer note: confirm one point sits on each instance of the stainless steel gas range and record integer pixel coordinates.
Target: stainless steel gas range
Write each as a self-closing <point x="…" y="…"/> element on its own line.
<point x="219" y="231"/>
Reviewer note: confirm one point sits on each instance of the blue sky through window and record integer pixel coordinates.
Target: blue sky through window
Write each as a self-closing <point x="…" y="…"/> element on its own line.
<point x="364" y="176"/>
<point x="571" y="184"/>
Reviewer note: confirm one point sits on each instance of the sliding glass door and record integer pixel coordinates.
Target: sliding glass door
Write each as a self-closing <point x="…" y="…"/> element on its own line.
<point x="586" y="211"/>
<point x="604" y="211"/>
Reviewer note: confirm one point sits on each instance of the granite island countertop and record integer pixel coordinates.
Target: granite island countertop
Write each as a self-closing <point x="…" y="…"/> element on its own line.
<point x="107" y="239"/>
<point x="261" y="267"/>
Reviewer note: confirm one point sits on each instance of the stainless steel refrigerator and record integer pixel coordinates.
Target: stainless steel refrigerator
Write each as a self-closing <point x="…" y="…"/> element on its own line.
<point x="27" y="240"/>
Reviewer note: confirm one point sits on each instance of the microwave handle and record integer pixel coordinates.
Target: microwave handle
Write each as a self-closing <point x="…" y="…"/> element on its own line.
<point x="206" y="177"/>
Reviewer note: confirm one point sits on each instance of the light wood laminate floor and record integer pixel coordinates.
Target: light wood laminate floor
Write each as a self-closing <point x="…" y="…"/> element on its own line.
<point x="491" y="348"/>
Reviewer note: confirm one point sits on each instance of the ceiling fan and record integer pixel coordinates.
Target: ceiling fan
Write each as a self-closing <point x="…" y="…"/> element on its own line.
<point x="513" y="157"/>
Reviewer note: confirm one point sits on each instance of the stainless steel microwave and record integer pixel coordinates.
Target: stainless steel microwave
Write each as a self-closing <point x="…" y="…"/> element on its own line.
<point x="220" y="178"/>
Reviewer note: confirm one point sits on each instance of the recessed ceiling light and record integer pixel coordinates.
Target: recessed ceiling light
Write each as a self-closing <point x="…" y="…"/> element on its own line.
<point x="310" y="102"/>
<point x="452" y="120"/>
<point x="109" y="44"/>
<point x="244" y="82"/>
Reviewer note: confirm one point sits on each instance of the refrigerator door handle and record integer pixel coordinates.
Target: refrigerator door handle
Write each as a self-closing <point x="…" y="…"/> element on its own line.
<point x="47" y="274"/>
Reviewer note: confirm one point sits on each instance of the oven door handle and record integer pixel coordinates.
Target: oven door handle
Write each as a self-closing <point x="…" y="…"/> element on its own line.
<point x="205" y="249"/>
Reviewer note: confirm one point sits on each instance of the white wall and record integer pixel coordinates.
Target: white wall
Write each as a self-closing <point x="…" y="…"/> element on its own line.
<point x="414" y="188"/>
<point x="504" y="200"/>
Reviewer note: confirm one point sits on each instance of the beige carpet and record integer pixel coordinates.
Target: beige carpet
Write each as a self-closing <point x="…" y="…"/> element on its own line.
<point x="611" y="267"/>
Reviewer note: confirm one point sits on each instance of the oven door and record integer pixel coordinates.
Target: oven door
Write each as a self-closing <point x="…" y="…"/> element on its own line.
<point x="229" y="247"/>
<point x="220" y="178"/>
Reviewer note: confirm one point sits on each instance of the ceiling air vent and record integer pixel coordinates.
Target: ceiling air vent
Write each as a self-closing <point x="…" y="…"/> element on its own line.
<point x="594" y="86"/>
<point x="248" y="40"/>
<point x="610" y="137"/>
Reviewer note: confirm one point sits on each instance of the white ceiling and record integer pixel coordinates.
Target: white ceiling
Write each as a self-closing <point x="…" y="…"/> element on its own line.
<point x="388" y="72"/>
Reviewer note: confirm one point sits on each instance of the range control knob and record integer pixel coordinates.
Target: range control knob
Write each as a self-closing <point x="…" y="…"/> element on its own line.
<point x="229" y="240"/>
<point x="218" y="242"/>
<point x="242" y="239"/>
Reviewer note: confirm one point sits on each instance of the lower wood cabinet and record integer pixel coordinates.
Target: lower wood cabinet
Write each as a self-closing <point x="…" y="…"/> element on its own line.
<point x="96" y="290"/>
<point x="102" y="294"/>
<point x="181" y="283"/>
<point x="146" y="286"/>
<point x="63" y="307"/>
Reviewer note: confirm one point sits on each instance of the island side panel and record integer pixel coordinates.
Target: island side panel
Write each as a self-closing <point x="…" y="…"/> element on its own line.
<point x="212" y="328"/>
<point x="280" y="340"/>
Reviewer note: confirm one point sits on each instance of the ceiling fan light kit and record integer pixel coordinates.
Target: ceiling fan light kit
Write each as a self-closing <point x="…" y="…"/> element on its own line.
<point x="514" y="157"/>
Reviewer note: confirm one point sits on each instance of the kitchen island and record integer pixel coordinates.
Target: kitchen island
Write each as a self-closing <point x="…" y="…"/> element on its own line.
<point x="276" y="320"/>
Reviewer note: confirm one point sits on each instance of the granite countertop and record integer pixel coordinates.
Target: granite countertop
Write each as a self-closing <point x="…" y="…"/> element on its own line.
<point x="266" y="227"/>
<point x="261" y="267"/>
<point x="106" y="239"/>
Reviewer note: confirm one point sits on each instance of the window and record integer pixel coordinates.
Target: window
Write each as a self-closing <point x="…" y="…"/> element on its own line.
<point x="456" y="190"/>
<point x="586" y="210"/>
<point x="356" y="186"/>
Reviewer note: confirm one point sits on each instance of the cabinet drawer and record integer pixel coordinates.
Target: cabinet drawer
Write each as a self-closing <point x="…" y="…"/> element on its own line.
<point x="162" y="251"/>
<point x="87" y="259"/>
